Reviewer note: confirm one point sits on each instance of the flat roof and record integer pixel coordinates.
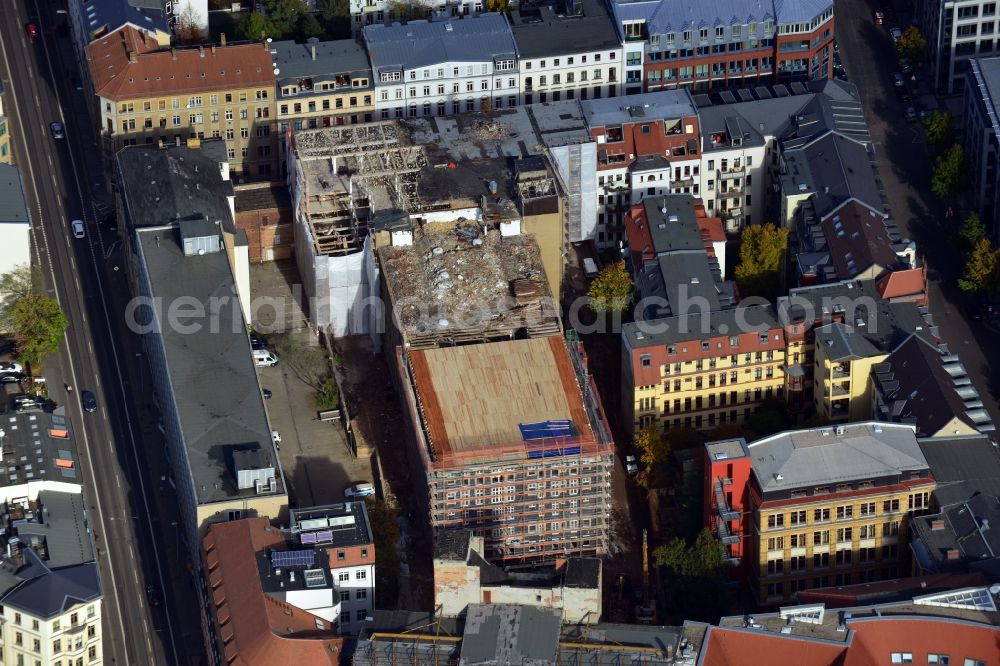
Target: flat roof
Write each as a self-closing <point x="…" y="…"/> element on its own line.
<point x="13" y="207"/>
<point x="660" y="105"/>
<point x="210" y="370"/>
<point x="549" y="30"/>
<point x="476" y="397"/>
<point x="342" y="525"/>
<point x="510" y="634"/>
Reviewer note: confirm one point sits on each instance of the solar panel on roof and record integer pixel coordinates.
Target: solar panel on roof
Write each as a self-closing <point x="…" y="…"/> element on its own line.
<point x="293" y="558"/>
<point x="308" y="538"/>
<point x="745" y="95"/>
<point x="727" y="97"/>
<point x="762" y="92"/>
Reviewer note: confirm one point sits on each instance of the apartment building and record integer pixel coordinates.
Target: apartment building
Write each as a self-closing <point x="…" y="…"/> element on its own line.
<point x="148" y="95"/>
<point x="15" y="222"/>
<point x="813" y="513"/>
<point x="701" y="369"/>
<point x="375" y="12"/>
<point x="676" y="254"/>
<point x="650" y="146"/>
<point x="924" y="385"/>
<point x="724" y="45"/>
<point x="530" y="473"/>
<point x="567" y="49"/>
<point x="342" y="535"/>
<point x="442" y="68"/>
<point x="981" y="138"/>
<point x="50" y="588"/>
<point x="267" y="600"/>
<point x="844" y="362"/>
<point x="322" y="84"/>
<point x="956" y="31"/>
<point x="176" y="222"/>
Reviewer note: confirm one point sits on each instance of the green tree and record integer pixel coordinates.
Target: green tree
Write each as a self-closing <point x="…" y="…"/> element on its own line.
<point x="255" y="27"/>
<point x="327" y="395"/>
<point x="695" y="577"/>
<point x="499" y="6"/>
<point x="611" y="290"/>
<point x="307" y="362"/>
<point x="762" y="256"/>
<point x="940" y="130"/>
<point x="981" y="268"/>
<point x="187" y="28"/>
<point x="972" y="232"/>
<point x="19" y="282"/>
<point x="912" y="45"/>
<point x="949" y="173"/>
<point x="654" y="452"/>
<point x="310" y="27"/>
<point x="37" y="326"/>
<point x="285" y="14"/>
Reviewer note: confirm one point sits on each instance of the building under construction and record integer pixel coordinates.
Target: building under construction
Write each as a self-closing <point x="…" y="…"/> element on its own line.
<point x="515" y="446"/>
<point x="514" y="634"/>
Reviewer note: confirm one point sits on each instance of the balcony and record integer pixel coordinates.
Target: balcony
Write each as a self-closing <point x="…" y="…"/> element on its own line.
<point x="839" y="390"/>
<point x="731" y="172"/>
<point x="841" y="372"/>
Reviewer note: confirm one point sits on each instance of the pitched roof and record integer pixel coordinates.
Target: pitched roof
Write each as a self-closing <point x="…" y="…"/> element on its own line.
<point x="842" y="342"/>
<point x="541" y="31"/>
<point x="416" y="44"/>
<point x="730" y="646"/>
<point x="858" y="240"/>
<point x="916" y="386"/>
<point x="837" y="169"/>
<point x="151" y="72"/>
<point x="13" y="208"/>
<point x="900" y="283"/>
<point x="962" y="466"/>
<point x="107" y="16"/>
<point x="56" y="591"/>
<point x="676" y="15"/>
<point x="260" y="629"/>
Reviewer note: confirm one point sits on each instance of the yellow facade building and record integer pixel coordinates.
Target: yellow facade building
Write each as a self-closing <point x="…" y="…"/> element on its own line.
<point x="151" y="95"/>
<point x="817" y="514"/>
<point x="841" y="373"/>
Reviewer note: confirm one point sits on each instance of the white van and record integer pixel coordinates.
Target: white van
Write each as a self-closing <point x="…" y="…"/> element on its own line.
<point x="264" y="358"/>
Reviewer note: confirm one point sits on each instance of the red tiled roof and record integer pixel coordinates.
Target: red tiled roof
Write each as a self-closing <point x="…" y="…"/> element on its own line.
<point x="153" y="73"/>
<point x="753" y="647"/>
<point x="252" y="627"/>
<point x="876" y="638"/>
<point x="711" y="229"/>
<point x="897" y="284"/>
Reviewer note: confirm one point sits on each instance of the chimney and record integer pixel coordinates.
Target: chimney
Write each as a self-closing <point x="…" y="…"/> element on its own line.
<point x="213" y="49"/>
<point x="222" y="39"/>
<point x="201" y="51"/>
<point x="951" y="553"/>
<point x="133" y="57"/>
<point x="937" y="524"/>
<point x="173" y="54"/>
<point x="312" y="51"/>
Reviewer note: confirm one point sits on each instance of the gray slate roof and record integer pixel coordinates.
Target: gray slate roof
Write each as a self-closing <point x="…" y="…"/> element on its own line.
<point x="340" y="56"/>
<point x="64" y="529"/>
<point x="663" y="16"/>
<point x="821" y="456"/>
<point x="211" y="373"/>
<point x="842" y="342"/>
<point x="502" y="634"/>
<point x="962" y="466"/>
<point x="110" y="15"/>
<point x="54" y="592"/>
<point x="13" y="208"/>
<point x="416" y="44"/>
<point x="837" y="170"/>
<point x="29" y="439"/>
<point x="691" y="327"/>
<point x="544" y="32"/>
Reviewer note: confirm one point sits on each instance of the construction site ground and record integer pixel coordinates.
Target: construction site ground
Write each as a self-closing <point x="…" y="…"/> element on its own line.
<point x="379" y="422"/>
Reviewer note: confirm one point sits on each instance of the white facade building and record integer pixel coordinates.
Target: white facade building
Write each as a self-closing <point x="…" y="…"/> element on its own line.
<point x="443" y="68"/>
<point x="956" y="30"/>
<point x="15" y="224"/>
<point x="569" y="50"/>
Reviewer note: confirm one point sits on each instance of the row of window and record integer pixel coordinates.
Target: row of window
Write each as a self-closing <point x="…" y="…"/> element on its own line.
<point x="655" y="76"/>
<point x="557" y="79"/>
<point x="470" y="105"/>
<point x="192" y="102"/>
<point x="324" y="105"/>
<point x="779" y="589"/>
<point x="915" y="502"/>
<point x="470" y="70"/>
<point x="822" y="537"/>
<point x="570" y="60"/>
<point x="697" y="365"/>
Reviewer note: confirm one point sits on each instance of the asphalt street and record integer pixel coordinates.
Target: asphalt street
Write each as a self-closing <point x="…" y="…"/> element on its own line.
<point x="905" y="168"/>
<point x="123" y="520"/>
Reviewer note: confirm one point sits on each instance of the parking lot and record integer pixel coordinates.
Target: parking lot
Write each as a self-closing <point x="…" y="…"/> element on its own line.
<point x="317" y="461"/>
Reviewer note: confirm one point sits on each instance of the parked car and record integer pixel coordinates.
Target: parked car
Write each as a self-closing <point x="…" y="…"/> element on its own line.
<point x="267" y="393"/>
<point x="910" y="114"/>
<point x="878" y="17"/>
<point x="89" y="401"/>
<point x="896" y="34"/>
<point x="23" y="403"/>
<point x="10" y="366"/>
<point x="57" y="130"/>
<point x="153" y="594"/>
<point x="363" y="489"/>
<point x="79" y="231"/>
<point x="631" y="466"/>
<point x="257" y="342"/>
<point x="11" y="377"/>
<point x="898" y="80"/>
<point x="32" y="31"/>
<point x="264" y="358"/>
<point x="904" y="65"/>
